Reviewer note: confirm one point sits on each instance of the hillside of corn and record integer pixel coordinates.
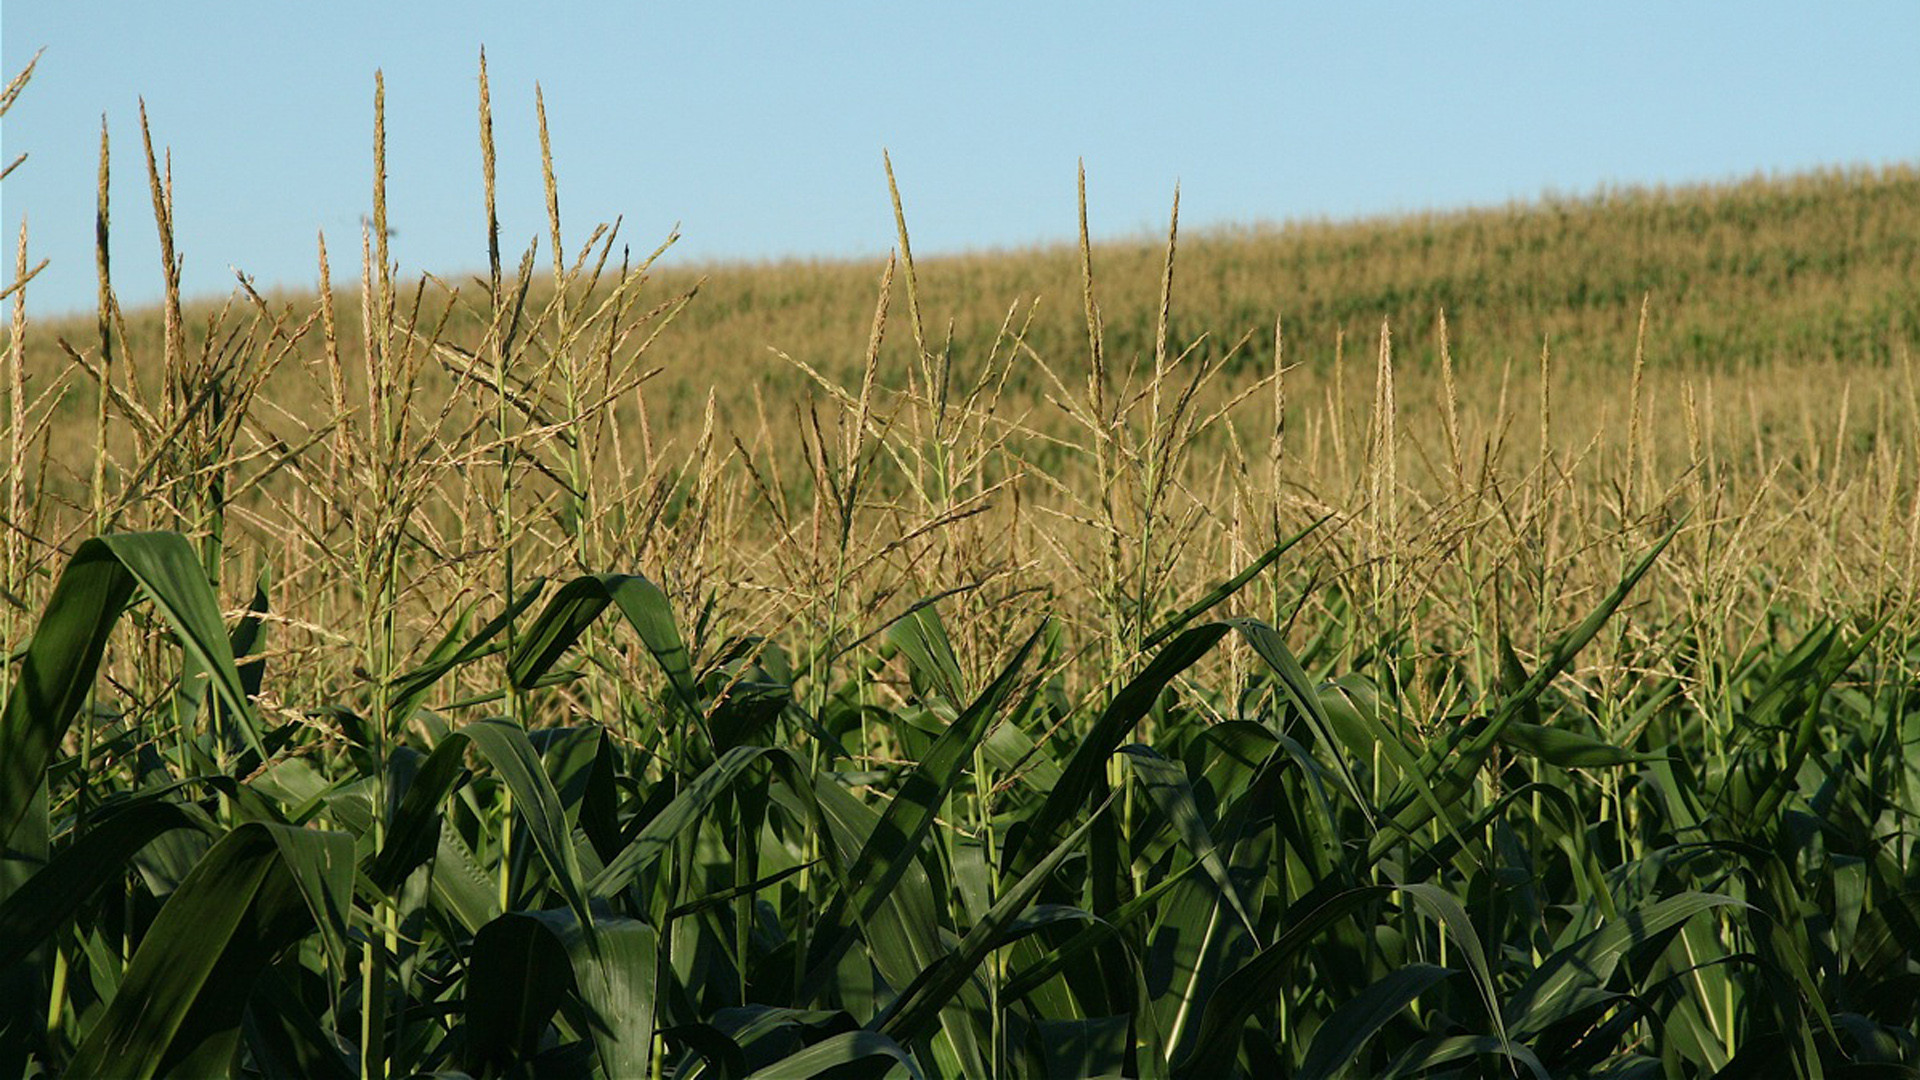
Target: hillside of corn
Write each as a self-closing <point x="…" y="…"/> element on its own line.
<point x="1460" y="645"/>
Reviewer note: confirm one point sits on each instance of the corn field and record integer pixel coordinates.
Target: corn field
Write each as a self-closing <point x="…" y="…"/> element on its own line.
<point x="407" y="680"/>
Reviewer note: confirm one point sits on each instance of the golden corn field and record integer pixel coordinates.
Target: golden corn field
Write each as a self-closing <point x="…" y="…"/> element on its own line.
<point x="1454" y="645"/>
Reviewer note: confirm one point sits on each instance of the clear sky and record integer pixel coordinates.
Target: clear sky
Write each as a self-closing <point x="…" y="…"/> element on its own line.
<point x="759" y="127"/>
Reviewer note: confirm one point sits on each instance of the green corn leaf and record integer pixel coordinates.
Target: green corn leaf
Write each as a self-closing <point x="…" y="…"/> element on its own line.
<point x="574" y="608"/>
<point x="678" y="815"/>
<point x="1338" y="1044"/>
<point x="82" y="869"/>
<point x="518" y="974"/>
<point x="171" y="575"/>
<point x="1014" y="752"/>
<point x="1198" y="937"/>
<point x="58" y="667"/>
<point x="569" y="755"/>
<point x="715" y="899"/>
<point x="922" y="638"/>
<point x="1452" y="766"/>
<point x="1227" y="588"/>
<point x="1424" y="1055"/>
<point x="248" y="642"/>
<point x="1568" y="749"/>
<point x="1166" y="785"/>
<point x="321" y="865"/>
<point x="764" y="1033"/>
<point x="719" y="1054"/>
<point x="449" y="653"/>
<point x="1802" y="693"/>
<point x="1259" y="980"/>
<point x="918" y="1006"/>
<point x="1446" y="911"/>
<point x="1589" y="962"/>
<point x="1092" y="937"/>
<point x="287" y="1041"/>
<point x="1093" y="1046"/>
<point x="460" y="884"/>
<point x="504" y="744"/>
<point x="1088" y="764"/>
<point x="185" y="991"/>
<point x="895" y="842"/>
<point x="414" y="831"/>
<point x="1272" y="648"/>
<point x="835" y="1055"/>
<point x="904" y="938"/>
<point x="1513" y="676"/>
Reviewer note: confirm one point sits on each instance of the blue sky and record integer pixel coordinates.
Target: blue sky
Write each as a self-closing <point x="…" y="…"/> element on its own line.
<point x="759" y="127"/>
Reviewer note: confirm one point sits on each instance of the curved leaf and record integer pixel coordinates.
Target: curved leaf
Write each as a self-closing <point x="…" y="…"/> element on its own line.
<point x="896" y="840"/>
<point x="79" y="871"/>
<point x="1089" y="761"/>
<point x="1259" y="980"/>
<point x="188" y="983"/>
<point x="1271" y="648"/>
<point x="658" y="834"/>
<point x="574" y="608"/>
<point x="1166" y="784"/>
<point x="518" y="974"/>
<point x="504" y="744"/>
<point x="1093" y="936"/>
<point x="61" y="659"/>
<point x="1450" y="766"/>
<point x="1568" y="749"/>
<point x="616" y="978"/>
<point x="1427" y="1053"/>
<point x="411" y="688"/>
<point x="923" y="638"/>
<point x="832" y="1055"/>
<point x="1338" y="1043"/>
<point x="920" y="1004"/>
<point x="415" y="828"/>
<point x="1590" y="961"/>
